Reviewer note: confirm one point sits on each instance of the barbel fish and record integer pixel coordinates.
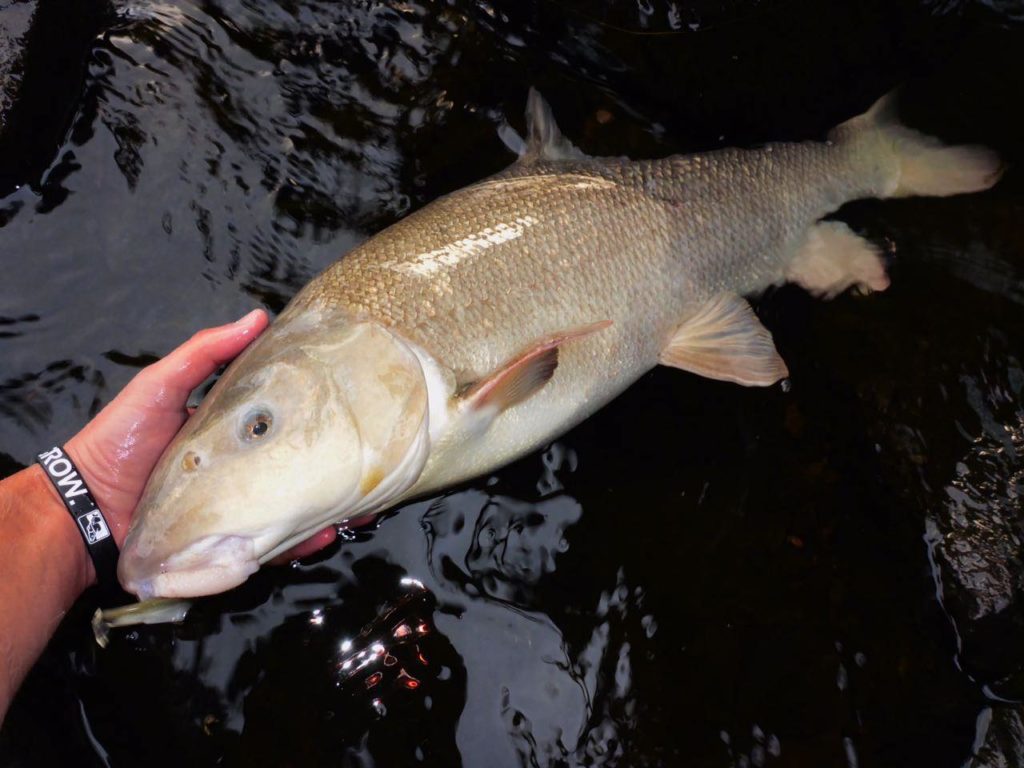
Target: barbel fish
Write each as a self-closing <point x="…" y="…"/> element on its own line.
<point x="487" y="323"/>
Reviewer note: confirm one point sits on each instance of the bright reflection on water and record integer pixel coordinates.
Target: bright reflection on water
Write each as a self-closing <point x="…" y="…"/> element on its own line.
<point x="699" y="575"/>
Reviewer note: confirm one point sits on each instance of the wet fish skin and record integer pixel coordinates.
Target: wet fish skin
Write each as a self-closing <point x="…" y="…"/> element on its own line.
<point x="498" y="316"/>
<point x="561" y="240"/>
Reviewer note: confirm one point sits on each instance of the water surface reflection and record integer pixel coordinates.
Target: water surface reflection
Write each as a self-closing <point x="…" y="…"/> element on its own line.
<point x="700" y="575"/>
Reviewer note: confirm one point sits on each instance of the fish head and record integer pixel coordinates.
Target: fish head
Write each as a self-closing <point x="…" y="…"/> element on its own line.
<point x="321" y="419"/>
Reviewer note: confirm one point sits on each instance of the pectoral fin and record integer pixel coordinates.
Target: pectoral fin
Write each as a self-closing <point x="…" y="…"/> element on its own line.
<point x="726" y="341"/>
<point x="524" y="374"/>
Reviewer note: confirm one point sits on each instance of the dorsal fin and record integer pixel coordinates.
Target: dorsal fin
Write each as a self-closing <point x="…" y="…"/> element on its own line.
<point x="543" y="139"/>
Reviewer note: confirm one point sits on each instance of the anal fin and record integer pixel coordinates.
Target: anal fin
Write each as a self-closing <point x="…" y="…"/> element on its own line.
<point x="726" y="341"/>
<point x="833" y="258"/>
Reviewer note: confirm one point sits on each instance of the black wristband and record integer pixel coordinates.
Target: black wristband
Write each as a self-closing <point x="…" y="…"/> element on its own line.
<point x="96" y="533"/>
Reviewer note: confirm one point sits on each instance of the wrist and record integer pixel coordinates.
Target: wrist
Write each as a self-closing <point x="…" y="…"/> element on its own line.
<point x="68" y="470"/>
<point x="60" y="540"/>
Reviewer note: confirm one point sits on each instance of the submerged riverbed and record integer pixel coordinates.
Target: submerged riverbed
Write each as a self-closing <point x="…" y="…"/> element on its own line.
<point x="700" y="575"/>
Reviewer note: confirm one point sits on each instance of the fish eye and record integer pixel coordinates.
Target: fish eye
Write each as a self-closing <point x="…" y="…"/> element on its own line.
<point x="257" y="425"/>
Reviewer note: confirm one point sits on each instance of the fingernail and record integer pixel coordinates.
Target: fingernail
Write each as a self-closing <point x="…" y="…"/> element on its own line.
<point x="248" y="318"/>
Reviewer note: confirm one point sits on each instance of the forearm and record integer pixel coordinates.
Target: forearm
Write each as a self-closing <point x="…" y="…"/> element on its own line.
<point x="43" y="569"/>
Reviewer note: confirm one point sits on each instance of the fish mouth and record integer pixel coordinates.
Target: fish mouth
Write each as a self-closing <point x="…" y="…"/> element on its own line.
<point x="208" y="566"/>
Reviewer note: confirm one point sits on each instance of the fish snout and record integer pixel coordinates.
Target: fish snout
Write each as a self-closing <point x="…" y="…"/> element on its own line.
<point x="208" y="566"/>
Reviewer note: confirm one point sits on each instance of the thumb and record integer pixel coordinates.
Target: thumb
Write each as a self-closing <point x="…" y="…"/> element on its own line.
<point x="193" y="362"/>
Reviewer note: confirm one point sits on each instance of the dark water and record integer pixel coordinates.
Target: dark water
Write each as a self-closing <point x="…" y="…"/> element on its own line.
<point x="700" y="575"/>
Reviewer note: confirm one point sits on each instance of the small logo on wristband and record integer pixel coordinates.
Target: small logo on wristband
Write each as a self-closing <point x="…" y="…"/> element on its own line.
<point x="93" y="526"/>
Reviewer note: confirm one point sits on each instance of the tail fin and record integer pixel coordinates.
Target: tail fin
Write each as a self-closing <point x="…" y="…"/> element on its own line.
<point x="916" y="164"/>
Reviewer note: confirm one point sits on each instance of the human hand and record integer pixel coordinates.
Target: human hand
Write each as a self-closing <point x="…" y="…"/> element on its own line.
<point x="43" y="565"/>
<point x="117" y="450"/>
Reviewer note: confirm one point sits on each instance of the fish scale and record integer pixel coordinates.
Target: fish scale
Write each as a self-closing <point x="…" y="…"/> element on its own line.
<point x="561" y="240"/>
<point x="567" y="257"/>
<point x="634" y="242"/>
<point x="497" y="317"/>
